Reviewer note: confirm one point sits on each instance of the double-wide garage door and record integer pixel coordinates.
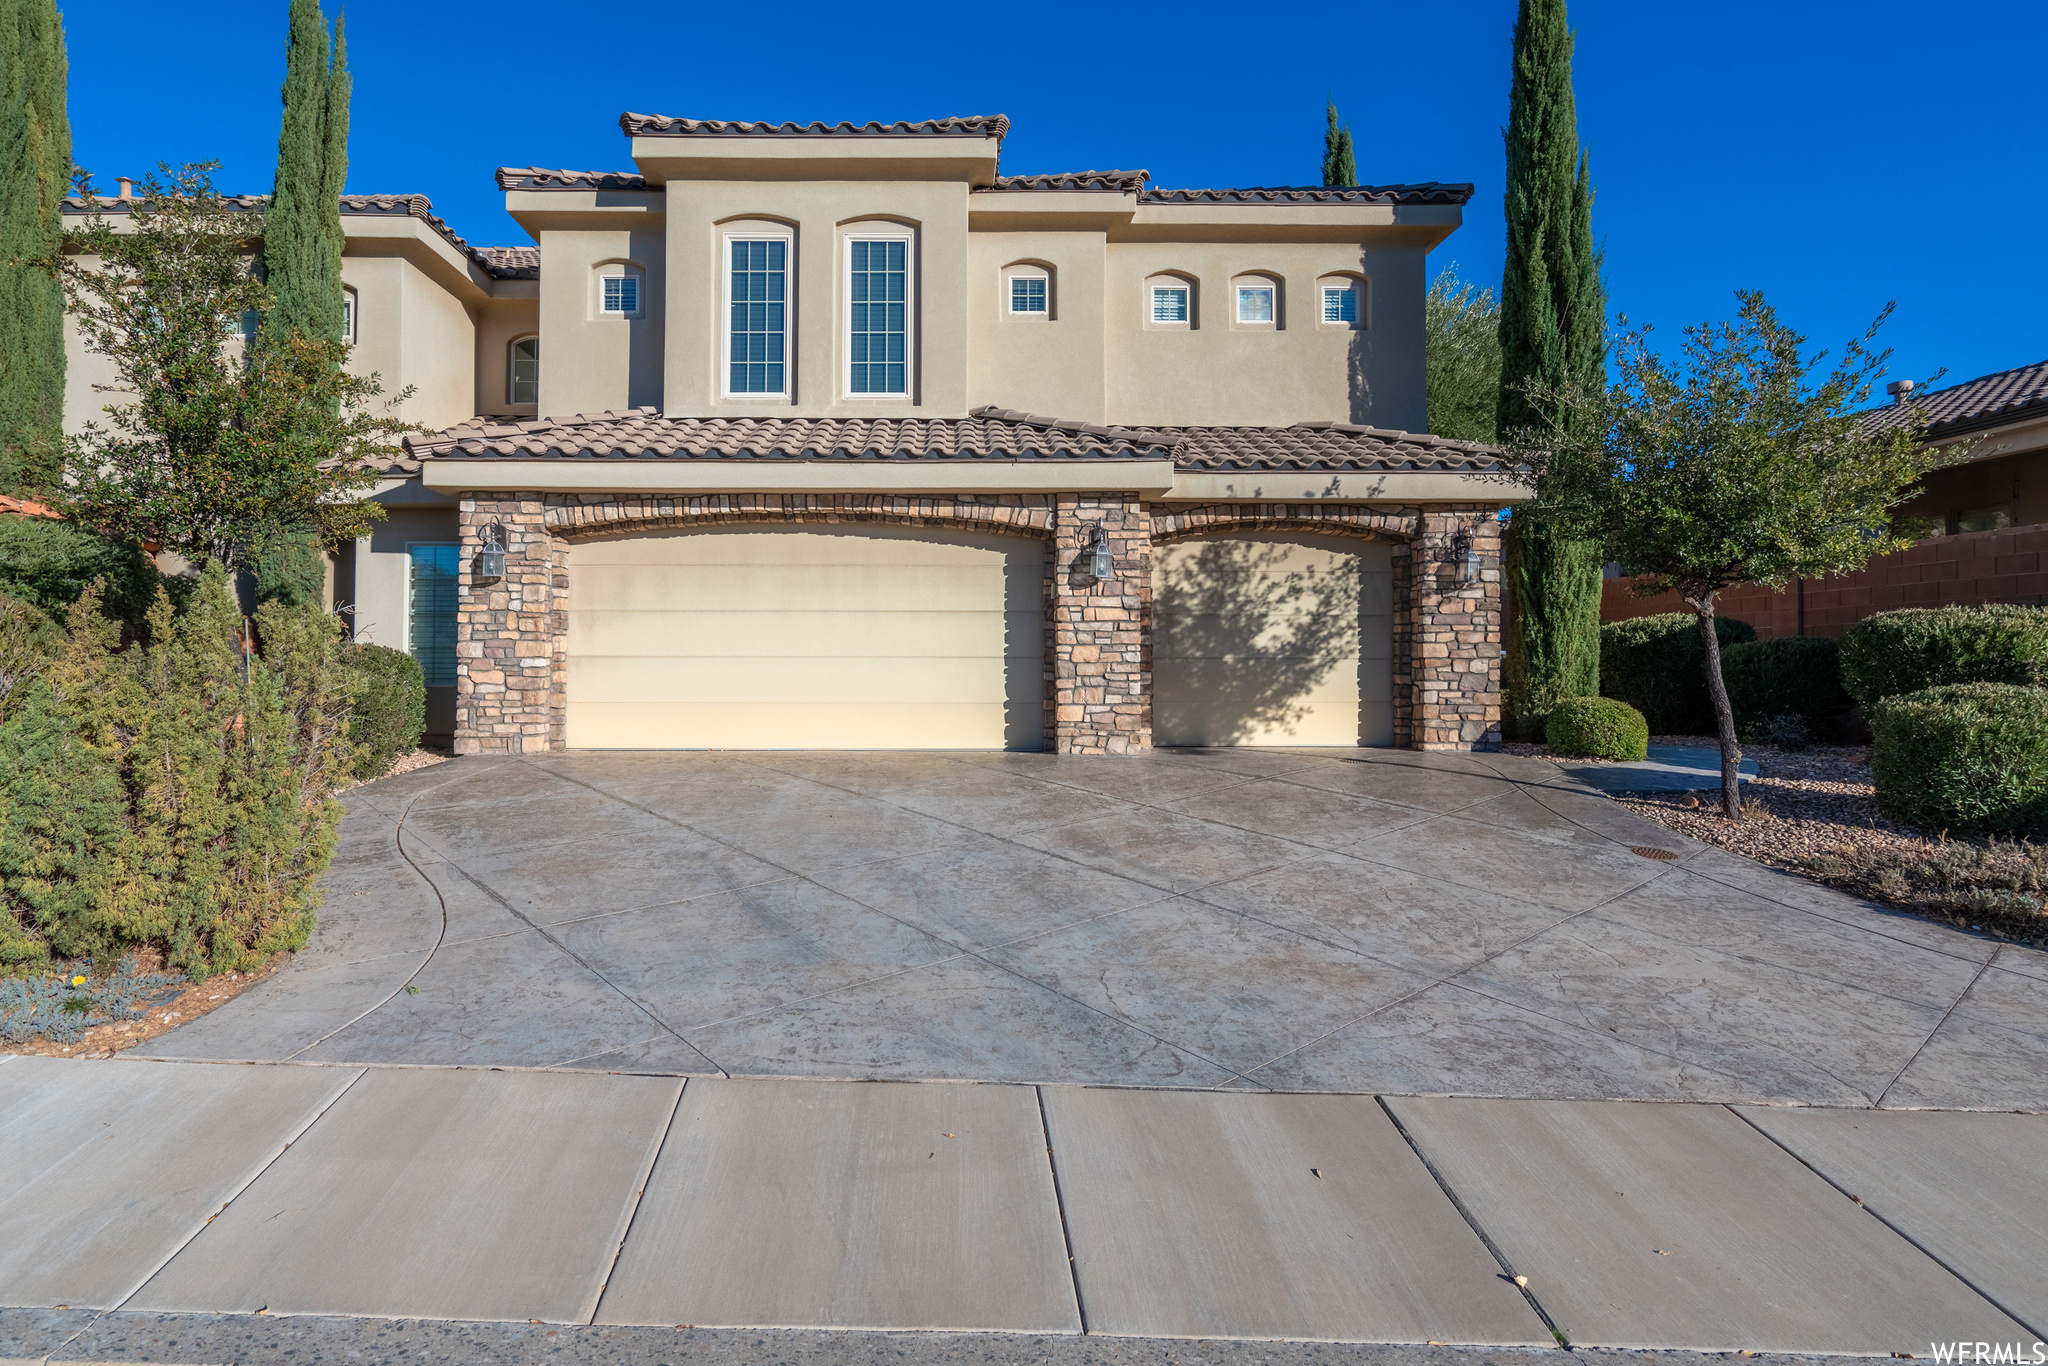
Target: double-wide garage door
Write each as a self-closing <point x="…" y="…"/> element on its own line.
<point x="803" y="637"/>
<point x="1272" y="638"/>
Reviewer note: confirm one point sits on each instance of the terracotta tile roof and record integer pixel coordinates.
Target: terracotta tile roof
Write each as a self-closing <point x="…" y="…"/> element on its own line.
<point x="1431" y="192"/>
<point x="659" y="126"/>
<point x="1119" y="182"/>
<point x="541" y="178"/>
<point x="1988" y="401"/>
<point x="512" y="263"/>
<point x="1328" y="446"/>
<point x="985" y="434"/>
<point x="352" y="205"/>
<point x="22" y="507"/>
<point x="644" y="432"/>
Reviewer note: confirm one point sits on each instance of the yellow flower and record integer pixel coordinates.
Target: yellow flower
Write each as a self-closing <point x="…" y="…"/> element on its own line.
<point x="78" y="981"/>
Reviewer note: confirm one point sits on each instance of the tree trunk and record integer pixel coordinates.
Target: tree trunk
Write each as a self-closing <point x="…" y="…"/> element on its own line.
<point x="1724" y="715"/>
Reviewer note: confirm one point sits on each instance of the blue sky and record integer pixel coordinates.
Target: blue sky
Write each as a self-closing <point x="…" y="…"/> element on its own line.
<point x="1833" y="155"/>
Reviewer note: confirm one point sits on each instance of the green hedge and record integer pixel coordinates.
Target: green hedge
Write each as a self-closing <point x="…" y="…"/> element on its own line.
<point x="1658" y="666"/>
<point x="1927" y="647"/>
<point x="387" y="706"/>
<point x="1597" y="728"/>
<point x="157" y="795"/>
<point x="1966" y="758"/>
<point x="1797" y="676"/>
<point x="48" y="564"/>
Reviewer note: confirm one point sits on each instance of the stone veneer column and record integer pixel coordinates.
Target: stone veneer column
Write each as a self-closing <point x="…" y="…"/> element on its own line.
<point x="508" y="638"/>
<point x="1453" y="632"/>
<point x="1101" y="632"/>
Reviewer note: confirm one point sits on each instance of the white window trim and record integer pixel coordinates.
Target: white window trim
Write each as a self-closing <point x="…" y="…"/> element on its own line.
<point x="1356" y="289"/>
<point x="352" y="314"/>
<point x="619" y="271"/>
<point x="512" y="373"/>
<point x="1152" y="318"/>
<point x="1015" y="273"/>
<point x="1255" y="282"/>
<point x="788" y="240"/>
<point x="910" y="328"/>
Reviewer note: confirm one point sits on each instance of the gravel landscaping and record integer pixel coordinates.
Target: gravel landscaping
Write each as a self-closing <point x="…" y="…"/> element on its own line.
<point x="1814" y="811"/>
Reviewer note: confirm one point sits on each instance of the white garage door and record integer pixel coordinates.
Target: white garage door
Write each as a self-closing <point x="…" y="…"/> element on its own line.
<point x="1273" y="638"/>
<point x="806" y="638"/>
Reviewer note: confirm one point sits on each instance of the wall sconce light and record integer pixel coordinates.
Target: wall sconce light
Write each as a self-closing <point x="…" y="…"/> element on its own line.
<point x="1466" y="555"/>
<point x="490" y="560"/>
<point x="1101" y="565"/>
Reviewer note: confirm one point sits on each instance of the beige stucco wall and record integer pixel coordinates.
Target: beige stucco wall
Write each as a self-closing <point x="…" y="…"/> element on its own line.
<point x="1051" y="364"/>
<point x="82" y="370"/>
<point x="1301" y="369"/>
<point x="591" y="362"/>
<point x="411" y="332"/>
<point x="821" y="215"/>
<point x="499" y="322"/>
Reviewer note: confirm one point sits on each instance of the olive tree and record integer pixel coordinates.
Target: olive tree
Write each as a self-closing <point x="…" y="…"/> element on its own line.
<point x="1737" y="461"/>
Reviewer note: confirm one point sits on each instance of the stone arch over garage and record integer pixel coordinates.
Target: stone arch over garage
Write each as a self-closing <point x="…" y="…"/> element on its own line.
<point x="512" y="652"/>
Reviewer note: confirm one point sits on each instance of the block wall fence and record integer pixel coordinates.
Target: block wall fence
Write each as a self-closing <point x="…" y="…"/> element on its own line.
<point x="1978" y="567"/>
<point x="511" y="660"/>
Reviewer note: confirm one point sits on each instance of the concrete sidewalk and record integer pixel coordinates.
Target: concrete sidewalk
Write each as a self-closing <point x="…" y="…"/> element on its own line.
<point x="137" y="1192"/>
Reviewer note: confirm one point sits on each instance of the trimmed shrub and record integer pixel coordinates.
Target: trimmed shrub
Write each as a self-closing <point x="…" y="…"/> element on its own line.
<point x="387" y="706"/>
<point x="1799" y="676"/>
<point x="1597" y="728"/>
<point x="1658" y="666"/>
<point x="48" y="564"/>
<point x="1966" y="758"/>
<point x="1928" y="647"/>
<point x="155" y="795"/>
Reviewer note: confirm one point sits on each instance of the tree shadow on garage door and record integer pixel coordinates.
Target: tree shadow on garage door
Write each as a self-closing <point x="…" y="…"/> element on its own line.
<point x="1244" y="639"/>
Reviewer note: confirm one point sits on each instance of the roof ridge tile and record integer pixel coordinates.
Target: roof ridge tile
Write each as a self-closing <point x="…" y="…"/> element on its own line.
<point x="662" y="125"/>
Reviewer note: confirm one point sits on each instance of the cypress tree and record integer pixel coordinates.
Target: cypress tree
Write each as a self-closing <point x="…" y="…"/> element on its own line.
<point x="35" y="172"/>
<point x="302" y="236"/>
<point x="1338" y="166"/>
<point x="1552" y="332"/>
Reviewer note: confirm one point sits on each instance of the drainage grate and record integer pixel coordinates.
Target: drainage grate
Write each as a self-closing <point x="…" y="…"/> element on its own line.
<point x="1650" y="851"/>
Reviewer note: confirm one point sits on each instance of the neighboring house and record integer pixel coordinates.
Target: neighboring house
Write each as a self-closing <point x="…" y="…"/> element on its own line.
<point x="765" y="472"/>
<point x="1988" y="519"/>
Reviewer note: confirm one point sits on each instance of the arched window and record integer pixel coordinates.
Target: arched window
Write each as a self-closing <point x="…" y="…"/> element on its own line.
<point x="1027" y="290"/>
<point x="1256" y="302"/>
<point x="1341" y="301"/>
<point x="619" y="290"/>
<point x="523" y="372"/>
<point x="1171" y="302"/>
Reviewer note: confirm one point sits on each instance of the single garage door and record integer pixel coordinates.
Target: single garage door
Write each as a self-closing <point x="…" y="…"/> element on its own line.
<point x="806" y="638"/>
<point x="1273" y="638"/>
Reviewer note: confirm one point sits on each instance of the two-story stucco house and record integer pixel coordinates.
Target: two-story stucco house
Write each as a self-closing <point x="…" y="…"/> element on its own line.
<point x="834" y="436"/>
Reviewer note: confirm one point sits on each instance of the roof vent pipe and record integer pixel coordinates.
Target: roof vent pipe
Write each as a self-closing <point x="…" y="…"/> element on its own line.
<point x="127" y="186"/>
<point x="1901" y="390"/>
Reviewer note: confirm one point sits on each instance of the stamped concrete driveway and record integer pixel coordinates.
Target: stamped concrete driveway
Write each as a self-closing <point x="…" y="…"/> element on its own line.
<point x="1355" y="921"/>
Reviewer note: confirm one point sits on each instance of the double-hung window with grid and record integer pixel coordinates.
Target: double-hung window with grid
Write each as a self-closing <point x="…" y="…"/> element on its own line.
<point x="878" y="302"/>
<point x="1027" y="294"/>
<point x="759" y="339"/>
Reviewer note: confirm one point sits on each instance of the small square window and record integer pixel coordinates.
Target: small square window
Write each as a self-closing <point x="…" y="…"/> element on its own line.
<point x="1340" y="304"/>
<point x="621" y="294"/>
<point x="1027" y="294"/>
<point x="1255" y="304"/>
<point x="1170" y="305"/>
